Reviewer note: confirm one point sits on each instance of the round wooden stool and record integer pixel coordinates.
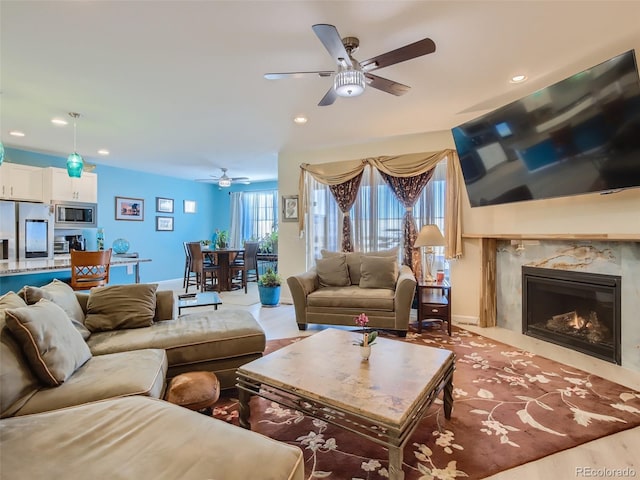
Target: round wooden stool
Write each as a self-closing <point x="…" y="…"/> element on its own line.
<point x="194" y="390"/>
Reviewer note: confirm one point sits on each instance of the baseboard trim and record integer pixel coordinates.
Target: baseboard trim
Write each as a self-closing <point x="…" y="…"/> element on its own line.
<point x="465" y="320"/>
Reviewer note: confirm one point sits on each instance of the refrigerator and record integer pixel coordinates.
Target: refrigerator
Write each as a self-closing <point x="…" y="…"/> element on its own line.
<point x="27" y="231"/>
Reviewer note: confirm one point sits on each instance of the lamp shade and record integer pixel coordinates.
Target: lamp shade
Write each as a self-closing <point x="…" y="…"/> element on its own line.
<point x="349" y="83"/>
<point x="74" y="165"/>
<point x="429" y="236"/>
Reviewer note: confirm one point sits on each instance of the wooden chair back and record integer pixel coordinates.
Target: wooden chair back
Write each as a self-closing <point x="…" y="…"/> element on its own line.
<point x="89" y="269"/>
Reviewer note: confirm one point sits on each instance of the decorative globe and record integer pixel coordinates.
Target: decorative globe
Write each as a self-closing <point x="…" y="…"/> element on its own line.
<point x="120" y="245"/>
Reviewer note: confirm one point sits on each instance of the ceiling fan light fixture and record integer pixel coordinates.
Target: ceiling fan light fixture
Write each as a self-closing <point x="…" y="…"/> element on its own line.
<point x="224" y="182"/>
<point x="349" y="82"/>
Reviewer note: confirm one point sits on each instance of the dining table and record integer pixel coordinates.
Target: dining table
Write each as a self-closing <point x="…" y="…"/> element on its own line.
<point x="223" y="258"/>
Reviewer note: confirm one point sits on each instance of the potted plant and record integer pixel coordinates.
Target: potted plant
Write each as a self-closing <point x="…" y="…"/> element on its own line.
<point x="269" y="288"/>
<point x="223" y="239"/>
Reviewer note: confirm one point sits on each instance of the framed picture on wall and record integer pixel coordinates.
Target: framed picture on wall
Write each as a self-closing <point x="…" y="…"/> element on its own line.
<point x="290" y="208"/>
<point x="164" y="224"/>
<point x="189" y="206"/>
<point x="129" y="208"/>
<point x="164" y="205"/>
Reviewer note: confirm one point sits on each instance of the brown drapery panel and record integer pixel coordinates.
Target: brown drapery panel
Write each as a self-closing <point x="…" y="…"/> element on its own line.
<point x="407" y="190"/>
<point x="345" y="194"/>
<point x="408" y="165"/>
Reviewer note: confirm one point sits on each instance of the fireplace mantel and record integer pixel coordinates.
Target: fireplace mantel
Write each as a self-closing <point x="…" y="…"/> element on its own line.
<point x="606" y="237"/>
<point x="488" y="250"/>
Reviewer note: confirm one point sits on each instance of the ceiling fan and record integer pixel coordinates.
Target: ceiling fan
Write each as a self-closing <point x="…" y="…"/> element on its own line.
<point x="352" y="76"/>
<point x="224" y="180"/>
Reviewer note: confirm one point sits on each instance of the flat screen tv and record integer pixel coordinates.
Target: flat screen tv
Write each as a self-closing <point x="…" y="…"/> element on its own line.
<point x="577" y="136"/>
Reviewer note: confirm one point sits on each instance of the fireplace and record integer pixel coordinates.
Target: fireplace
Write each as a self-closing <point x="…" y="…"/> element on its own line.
<point x="577" y="310"/>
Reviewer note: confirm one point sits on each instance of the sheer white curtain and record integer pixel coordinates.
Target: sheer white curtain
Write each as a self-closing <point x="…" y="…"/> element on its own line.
<point x="235" y="231"/>
<point x="253" y="215"/>
<point x="376" y="214"/>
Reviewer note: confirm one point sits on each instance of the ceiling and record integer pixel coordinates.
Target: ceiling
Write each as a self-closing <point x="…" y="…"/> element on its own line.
<point x="177" y="87"/>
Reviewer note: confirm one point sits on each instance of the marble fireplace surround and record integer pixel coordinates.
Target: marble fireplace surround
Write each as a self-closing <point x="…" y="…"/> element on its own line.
<point x="504" y="255"/>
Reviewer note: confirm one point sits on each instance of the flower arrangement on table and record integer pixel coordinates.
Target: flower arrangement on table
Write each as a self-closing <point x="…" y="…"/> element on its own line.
<point x="368" y="336"/>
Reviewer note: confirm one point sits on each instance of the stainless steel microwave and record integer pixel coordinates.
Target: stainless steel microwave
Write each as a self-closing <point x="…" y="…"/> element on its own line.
<point x="75" y="215"/>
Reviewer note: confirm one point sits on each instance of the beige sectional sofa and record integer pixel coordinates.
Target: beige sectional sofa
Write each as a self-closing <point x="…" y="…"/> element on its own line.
<point x="77" y="407"/>
<point x="342" y="285"/>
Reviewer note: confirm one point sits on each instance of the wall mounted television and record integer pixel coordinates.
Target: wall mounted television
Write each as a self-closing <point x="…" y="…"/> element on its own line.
<point x="577" y="136"/>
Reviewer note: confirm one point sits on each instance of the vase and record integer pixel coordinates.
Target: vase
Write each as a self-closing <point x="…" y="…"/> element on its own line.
<point x="365" y="352"/>
<point x="269" y="296"/>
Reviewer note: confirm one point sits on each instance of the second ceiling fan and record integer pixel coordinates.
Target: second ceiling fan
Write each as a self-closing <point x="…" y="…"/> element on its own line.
<point x="352" y="76"/>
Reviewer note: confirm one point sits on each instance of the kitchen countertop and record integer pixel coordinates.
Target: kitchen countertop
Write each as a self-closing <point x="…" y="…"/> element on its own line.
<point x="59" y="262"/>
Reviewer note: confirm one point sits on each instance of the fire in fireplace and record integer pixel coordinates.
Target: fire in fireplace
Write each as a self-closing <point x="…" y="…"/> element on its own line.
<point x="577" y="310"/>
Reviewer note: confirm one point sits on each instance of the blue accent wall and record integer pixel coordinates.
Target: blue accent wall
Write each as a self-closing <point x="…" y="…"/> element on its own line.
<point x="165" y="249"/>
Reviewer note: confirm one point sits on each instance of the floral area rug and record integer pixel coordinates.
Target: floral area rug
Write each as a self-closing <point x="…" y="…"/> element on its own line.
<point x="510" y="407"/>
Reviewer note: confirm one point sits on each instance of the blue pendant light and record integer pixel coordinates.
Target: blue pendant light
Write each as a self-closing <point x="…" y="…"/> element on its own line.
<point x="74" y="161"/>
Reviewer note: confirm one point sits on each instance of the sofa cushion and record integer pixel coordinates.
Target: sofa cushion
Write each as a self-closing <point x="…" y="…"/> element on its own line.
<point x="354" y="260"/>
<point x="353" y="263"/>
<point x="53" y="347"/>
<point x="352" y="297"/>
<point x="191" y="338"/>
<point x="140" y="372"/>
<point x="378" y="272"/>
<point x="121" y="306"/>
<point x="140" y="438"/>
<point x="62" y="295"/>
<point x="333" y="271"/>
<point x="17" y="380"/>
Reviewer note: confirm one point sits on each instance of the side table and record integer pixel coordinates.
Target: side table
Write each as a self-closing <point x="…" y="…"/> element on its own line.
<point x="434" y="303"/>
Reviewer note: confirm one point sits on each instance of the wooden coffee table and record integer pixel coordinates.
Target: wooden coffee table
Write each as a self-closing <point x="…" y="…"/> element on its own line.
<point x="203" y="299"/>
<point x="382" y="399"/>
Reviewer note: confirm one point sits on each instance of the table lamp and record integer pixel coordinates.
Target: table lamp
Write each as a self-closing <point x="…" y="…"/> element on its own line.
<point x="429" y="236"/>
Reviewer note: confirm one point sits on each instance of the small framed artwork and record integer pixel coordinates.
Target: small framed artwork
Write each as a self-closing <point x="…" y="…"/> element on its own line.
<point x="164" y="205"/>
<point x="189" y="206"/>
<point x="290" y="208"/>
<point x="129" y="208"/>
<point x="164" y="224"/>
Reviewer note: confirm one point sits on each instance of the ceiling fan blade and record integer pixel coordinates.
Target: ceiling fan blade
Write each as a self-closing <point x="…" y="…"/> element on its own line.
<point x="238" y="179"/>
<point x="277" y="76"/>
<point x="328" y="98"/>
<point x="402" y="54"/>
<point x="330" y="38"/>
<point x="389" y="86"/>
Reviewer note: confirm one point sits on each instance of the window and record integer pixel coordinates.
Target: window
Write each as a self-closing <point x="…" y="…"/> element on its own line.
<point x="376" y="215"/>
<point x="254" y="215"/>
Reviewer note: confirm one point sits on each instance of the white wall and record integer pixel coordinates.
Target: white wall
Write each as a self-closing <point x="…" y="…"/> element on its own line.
<point x="291" y="247"/>
<point x="614" y="214"/>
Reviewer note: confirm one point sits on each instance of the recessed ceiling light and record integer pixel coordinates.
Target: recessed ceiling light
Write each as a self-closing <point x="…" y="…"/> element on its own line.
<point x="518" y="78"/>
<point x="59" y="121"/>
<point x="103" y="151"/>
<point x="300" y="119"/>
<point x="16" y="133"/>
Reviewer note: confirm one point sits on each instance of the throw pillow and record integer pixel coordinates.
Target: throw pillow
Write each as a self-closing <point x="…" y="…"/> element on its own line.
<point x="378" y="272"/>
<point x="333" y="271"/>
<point x="353" y="263"/>
<point x="62" y="295"/>
<point x="18" y="382"/>
<point x="121" y="306"/>
<point x="51" y="344"/>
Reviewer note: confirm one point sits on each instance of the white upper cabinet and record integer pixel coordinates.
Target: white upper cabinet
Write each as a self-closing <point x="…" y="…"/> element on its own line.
<point x="21" y="182"/>
<point x="60" y="186"/>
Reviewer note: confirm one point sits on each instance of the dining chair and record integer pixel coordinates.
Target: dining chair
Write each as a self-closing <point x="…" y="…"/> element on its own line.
<point x="189" y="275"/>
<point x="202" y="268"/>
<point x="245" y="263"/>
<point x="89" y="269"/>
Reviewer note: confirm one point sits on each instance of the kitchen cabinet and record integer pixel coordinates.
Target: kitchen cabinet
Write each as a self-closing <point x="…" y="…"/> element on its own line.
<point x="21" y="182"/>
<point x="60" y="186"/>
